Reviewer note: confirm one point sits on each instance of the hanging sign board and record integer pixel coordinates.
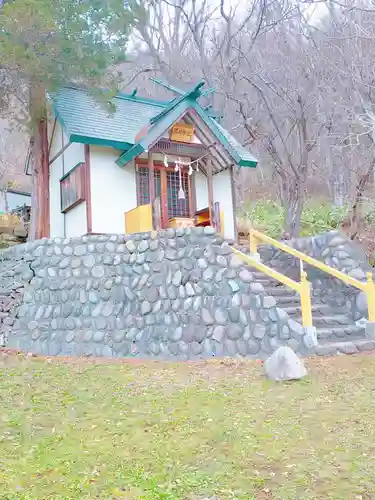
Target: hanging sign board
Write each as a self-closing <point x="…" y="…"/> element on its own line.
<point x="181" y="132"/>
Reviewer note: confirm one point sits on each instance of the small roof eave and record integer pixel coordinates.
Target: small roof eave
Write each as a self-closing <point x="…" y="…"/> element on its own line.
<point x="128" y="156"/>
<point x="248" y="163"/>
<point x="96" y="141"/>
<point x="232" y="149"/>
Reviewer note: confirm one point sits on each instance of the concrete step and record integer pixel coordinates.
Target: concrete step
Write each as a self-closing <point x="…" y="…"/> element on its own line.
<point x="277" y="291"/>
<point x="334" y="320"/>
<point x="347" y="347"/>
<point x="271" y="281"/>
<point x="331" y="325"/>
<point x="317" y="309"/>
<point x="288" y="300"/>
<point x="267" y="283"/>
<point x="264" y="277"/>
<point x="326" y="321"/>
<point x="340" y="332"/>
<point x="257" y="273"/>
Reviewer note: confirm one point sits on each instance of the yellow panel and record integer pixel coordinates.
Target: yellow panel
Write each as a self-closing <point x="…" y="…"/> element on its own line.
<point x="177" y="222"/>
<point x="181" y="132"/>
<point x="222" y="222"/>
<point x="139" y="220"/>
<point x="203" y="218"/>
<point x="145" y="218"/>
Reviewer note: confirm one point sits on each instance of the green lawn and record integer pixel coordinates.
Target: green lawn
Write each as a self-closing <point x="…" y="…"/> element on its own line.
<point x="77" y="430"/>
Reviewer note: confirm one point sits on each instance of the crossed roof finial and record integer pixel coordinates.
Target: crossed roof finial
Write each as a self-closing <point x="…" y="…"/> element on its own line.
<point x="176" y="90"/>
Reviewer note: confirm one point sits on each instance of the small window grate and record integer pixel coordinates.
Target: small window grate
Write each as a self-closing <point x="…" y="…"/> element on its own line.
<point x="143" y="185"/>
<point x="174" y="207"/>
<point x="177" y="207"/>
<point x="72" y="188"/>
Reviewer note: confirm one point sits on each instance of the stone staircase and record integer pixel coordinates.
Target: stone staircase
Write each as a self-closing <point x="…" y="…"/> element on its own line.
<point x="336" y="332"/>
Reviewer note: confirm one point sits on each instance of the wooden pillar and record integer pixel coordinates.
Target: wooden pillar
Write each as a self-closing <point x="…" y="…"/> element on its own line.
<point x="151" y="177"/>
<point x="210" y="191"/>
<point x="155" y="203"/>
<point x="193" y="196"/>
<point x="234" y="203"/>
<point x="217" y="216"/>
<point x="43" y="222"/>
<point x="164" y="199"/>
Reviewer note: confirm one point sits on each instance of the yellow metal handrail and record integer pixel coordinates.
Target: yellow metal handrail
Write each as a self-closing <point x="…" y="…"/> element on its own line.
<point x="368" y="286"/>
<point x="303" y="288"/>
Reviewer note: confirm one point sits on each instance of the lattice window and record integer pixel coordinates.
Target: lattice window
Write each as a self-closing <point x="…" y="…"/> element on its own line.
<point x="143" y="185"/>
<point x="72" y="187"/>
<point x="143" y="188"/>
<point x="177" y="207"/>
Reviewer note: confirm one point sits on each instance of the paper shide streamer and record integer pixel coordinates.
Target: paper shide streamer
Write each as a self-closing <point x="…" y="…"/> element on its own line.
<point x="178" y="168"/>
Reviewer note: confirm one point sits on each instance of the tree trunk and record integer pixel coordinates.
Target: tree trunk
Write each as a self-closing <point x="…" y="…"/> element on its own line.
<point x="39" y="224"/>
<point x="292" y="224"/>
<point x="353" y="224"/>
<point x="339" y="189"/>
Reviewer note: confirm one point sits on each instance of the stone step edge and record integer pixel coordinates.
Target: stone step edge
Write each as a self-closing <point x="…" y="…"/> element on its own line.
<point x="315" y="308"/>
<point x="337" y="348"/>
<point x="279" y="292"/>
<point x="337" y="328"/>
<point x="325" y="321"/>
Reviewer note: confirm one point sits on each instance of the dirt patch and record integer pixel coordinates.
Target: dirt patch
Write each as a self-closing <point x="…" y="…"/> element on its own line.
<point x="328" y="365"/>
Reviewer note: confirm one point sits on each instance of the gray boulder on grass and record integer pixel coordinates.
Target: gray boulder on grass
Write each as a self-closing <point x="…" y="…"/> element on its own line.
<point x="284" y="364"/>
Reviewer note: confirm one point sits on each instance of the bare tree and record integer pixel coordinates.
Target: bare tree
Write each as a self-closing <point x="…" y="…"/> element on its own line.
<point x="234" y="52"/>
<point x="296" y="87"/>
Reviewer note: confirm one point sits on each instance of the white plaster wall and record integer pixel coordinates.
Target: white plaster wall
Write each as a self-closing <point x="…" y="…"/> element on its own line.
<point x="76" y="221"/>
<point x="222" y="191"/>
<point x="74" y="154"/>
<point x="113" y="190"/>
<point x="56" y="172"/>
<point x="65" y="137"/>
<point x="201" y="190"/>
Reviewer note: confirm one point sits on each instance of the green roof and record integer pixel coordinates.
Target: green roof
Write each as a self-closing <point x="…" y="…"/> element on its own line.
<point x="87" y="121"/>
<point x="246" y="158"/>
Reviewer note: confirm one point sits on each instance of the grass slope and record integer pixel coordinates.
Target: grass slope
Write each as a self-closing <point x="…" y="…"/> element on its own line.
<point x="80" y="430"/>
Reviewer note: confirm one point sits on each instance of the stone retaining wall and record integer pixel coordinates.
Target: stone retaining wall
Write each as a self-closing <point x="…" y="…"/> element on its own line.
<point x="14" y="273"/>
<point x="178" y="294"/>
<point x="336" y="250"/>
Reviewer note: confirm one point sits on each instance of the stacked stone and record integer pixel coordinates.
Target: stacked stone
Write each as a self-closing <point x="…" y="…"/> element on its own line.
<point x="9" y="304"/>
<point x="178" y="294"/>
<point x="14" y="272"/>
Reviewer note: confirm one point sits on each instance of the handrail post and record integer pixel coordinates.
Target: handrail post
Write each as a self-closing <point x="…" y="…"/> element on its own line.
<point x="305" y="294"/>
<point x="254" y="245"/>
<point x="370" y="294"/>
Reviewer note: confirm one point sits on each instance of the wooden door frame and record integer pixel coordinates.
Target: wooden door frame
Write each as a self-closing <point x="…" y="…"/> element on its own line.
<point x="159" y="166"/>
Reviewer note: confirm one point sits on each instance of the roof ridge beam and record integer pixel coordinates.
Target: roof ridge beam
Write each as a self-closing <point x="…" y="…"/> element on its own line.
<point x="192" y="94"/>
